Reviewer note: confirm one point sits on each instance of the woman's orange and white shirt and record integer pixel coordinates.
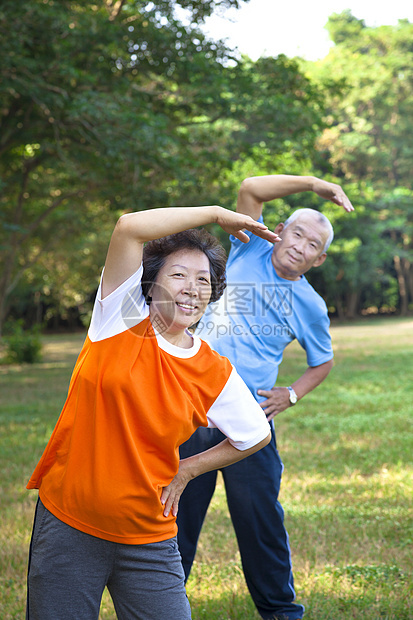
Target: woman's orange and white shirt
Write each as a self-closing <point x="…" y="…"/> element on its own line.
<point x="133" y="399"/>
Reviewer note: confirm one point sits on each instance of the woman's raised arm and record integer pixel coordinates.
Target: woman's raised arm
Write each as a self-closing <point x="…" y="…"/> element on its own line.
<point x="134" y="229"/>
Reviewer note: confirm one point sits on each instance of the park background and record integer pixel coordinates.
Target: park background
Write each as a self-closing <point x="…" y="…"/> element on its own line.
<point x="118" y="105"/>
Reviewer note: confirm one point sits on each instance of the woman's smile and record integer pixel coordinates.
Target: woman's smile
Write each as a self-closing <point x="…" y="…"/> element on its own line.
<point x="182" y="290"/>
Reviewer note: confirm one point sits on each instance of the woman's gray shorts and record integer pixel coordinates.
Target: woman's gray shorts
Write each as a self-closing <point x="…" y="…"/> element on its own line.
<point x="68" y="571"/>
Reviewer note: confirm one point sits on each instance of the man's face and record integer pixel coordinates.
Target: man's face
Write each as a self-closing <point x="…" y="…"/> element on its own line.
<point x="301" y="246"/>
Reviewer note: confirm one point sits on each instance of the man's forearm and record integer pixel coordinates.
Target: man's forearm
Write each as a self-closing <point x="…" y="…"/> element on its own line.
<point x="312" y="377"/>
<point x="254" y="191"/>
<point x="278" y="398"/>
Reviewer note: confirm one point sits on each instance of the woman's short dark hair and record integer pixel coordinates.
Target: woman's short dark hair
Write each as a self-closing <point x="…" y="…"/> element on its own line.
<point x="156" y="251"/>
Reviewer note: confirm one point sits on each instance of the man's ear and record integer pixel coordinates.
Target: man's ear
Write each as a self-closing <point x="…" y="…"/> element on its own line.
<point x="279" y="228"/>
<point x="320" y="260"/>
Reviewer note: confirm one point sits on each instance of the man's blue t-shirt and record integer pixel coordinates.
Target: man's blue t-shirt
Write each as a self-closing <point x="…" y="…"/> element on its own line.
<point x="260" y="313"/>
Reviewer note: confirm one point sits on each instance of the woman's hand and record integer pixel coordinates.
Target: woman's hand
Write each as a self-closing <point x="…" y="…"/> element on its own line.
<point x="171" y="494"/>
<point x="221" y="455"/>
<point x="235" y="223"/>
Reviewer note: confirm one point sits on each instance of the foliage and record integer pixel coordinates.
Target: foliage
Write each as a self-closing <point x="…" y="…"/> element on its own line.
<point x="84" y="121"/>
<point x="22" y="346"/>
<point x="355" y="273"/>
<point x="370" y="137"/>
<point x="344" y="26"/>
<point x="113" y="106"/>
<point x="396" y="226"/>
<point x="369" y="144"/>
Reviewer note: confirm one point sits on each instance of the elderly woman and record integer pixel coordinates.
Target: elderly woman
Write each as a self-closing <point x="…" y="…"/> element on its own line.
<point x="110" y="477"/>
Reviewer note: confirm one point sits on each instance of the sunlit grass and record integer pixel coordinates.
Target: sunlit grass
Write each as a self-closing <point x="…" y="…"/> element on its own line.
<point x="347" y="488"/>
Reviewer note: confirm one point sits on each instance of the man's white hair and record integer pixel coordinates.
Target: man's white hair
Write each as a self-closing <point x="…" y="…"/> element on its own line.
<point x="321" y="218"/>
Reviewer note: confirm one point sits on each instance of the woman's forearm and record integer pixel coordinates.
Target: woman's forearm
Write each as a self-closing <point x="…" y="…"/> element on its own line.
<point x="219" y="456"/>
<point x="152" y="224"/>
<point x="134" y="229"/>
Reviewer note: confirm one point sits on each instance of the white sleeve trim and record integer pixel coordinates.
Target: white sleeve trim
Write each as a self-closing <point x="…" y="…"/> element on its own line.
<point x="122" y="288"/>
<point x="237" y="415"/>
<point x="124" y="308"/>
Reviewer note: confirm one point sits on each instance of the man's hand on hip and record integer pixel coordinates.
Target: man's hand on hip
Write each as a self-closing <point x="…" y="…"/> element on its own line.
<point x="277" y="400"/>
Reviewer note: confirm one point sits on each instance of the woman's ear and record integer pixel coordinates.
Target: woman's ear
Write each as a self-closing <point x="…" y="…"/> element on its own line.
<point x="148" y="295"/>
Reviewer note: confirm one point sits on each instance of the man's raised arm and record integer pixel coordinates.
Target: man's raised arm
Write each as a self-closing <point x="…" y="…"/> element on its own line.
<point x="254" y="191"/>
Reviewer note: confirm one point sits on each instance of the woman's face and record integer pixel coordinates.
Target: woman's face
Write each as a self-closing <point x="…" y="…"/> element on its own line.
<point x="181" y="292"/>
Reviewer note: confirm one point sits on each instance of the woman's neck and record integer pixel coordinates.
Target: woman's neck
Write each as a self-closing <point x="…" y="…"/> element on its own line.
<point x="182" y="339"/>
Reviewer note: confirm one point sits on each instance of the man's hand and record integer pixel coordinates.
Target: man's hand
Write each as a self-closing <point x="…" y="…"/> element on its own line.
<point x="332" y="192"/>
<point x="278" y="400"/>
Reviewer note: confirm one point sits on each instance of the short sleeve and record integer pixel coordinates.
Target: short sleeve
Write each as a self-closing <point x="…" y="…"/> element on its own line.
<point x="124" y="308"/>
<point x="237" y="414"/>
<point x="316" y="341"/>
<point x="255" y="246"/>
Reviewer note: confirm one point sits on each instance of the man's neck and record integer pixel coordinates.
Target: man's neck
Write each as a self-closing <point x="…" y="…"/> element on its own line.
<point x="281" y="274"/>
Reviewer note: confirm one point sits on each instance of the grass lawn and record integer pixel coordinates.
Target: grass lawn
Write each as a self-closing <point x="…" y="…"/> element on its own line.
<point x="347" y="487"/>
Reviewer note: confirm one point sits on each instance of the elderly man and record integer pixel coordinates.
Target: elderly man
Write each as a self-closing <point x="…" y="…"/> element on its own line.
<point x="268" y="303"/>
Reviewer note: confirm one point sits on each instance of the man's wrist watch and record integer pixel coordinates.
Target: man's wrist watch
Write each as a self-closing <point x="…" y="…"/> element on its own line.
<point x="293" y="396"/>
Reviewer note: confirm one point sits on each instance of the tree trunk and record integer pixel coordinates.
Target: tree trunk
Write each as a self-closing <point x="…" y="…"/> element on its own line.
<point x="6" y="281"/>
<point x="410" y="283"/>
<point x="401" y="279"/>
<point x="340" y="308"/>
<point x="352" y="299"/>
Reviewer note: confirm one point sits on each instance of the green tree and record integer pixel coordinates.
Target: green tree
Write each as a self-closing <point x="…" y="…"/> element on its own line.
<point x="368" y="81"/>
<point x="396" y="226"/>
<point x="343" y="27"/>
<point x="92" y="98"/>
<point x="112" y="106"/>
<point x="370" y="136"/>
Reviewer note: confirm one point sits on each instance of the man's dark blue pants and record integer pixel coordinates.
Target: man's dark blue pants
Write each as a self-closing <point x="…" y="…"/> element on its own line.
<point x="252" y="487"/>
